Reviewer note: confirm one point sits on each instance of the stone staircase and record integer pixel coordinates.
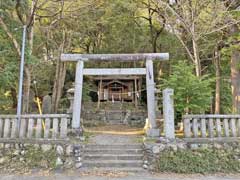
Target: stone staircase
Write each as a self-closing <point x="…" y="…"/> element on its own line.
<point x="113" y="157"/>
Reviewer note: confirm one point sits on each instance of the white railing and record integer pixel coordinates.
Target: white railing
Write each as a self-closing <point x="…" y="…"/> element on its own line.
<point x="211" y="126"/>
<point x="32" y="126"/>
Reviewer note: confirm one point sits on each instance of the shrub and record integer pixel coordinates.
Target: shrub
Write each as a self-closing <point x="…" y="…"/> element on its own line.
<point x="192" y="94"/>
<point x="199" y="161"/>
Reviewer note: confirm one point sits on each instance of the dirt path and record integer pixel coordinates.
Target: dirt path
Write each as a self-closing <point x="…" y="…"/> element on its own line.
<point x="115" y="129"/>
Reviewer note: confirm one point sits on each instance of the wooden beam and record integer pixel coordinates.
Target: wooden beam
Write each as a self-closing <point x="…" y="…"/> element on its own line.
<point x="135" y="94"/>
<point x="114" y="71"/>
<point x="117" y="77"/>
<point x="99" y="94"/>
<point x="115" y="57"/>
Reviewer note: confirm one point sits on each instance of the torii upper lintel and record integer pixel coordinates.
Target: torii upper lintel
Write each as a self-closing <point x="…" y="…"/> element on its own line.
<point x="115" y="57"/>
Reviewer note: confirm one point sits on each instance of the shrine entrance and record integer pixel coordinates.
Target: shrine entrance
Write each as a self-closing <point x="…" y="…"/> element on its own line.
<point x="114" y="90"/>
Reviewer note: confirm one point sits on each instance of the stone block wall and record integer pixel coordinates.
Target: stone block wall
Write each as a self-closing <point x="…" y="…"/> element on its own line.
<point x="68" y="156"/>
<point x="152" y="150"/>
<point x="132" y="118"/>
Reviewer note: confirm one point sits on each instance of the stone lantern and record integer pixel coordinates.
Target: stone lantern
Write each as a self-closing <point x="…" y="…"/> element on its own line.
<point x="70" y="97"/>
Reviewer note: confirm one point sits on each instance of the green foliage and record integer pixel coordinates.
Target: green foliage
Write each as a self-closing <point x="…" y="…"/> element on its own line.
<point x="89" y="91"/>
<point x="119" y="26"/>
<point x="36" y="158"/>
<point x="5" y="100"/>
<point x="199" y="161"/>
<point x="191" y="94"/>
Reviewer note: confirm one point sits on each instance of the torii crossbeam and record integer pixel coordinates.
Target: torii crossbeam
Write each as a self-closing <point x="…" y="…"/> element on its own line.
<point x="148" y="71"/>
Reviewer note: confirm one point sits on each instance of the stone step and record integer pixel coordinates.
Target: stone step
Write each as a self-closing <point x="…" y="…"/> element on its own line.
<point x="112" y="169"/>
<point x="113" y="151"/>
<point x="113" y="157"/>
<point x="112" y="163"/>
<point x="117" y="146"/>
<point x="115" y="122"/>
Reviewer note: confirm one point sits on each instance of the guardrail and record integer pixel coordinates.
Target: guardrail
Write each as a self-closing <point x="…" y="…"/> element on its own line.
<point x="32" y="126"/>
<point x="211" y="126"/>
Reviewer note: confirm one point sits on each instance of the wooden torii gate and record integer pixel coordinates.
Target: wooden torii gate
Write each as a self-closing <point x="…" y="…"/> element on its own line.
<point x="148" y="71"/>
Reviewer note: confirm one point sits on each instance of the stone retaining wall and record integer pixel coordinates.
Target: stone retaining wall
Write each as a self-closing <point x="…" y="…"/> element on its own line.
<point x="134" y="118"/>
<point x="153" y="149"/>
<point x="68" y="156"/>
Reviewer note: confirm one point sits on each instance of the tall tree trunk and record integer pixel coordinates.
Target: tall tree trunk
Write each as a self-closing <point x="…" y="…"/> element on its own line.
<point x="218" y="83"/>
<point x="58" y="85"/>
<point x="14" y="97"/>
<point x="28" y="77"/>
<point x="26" y="89"/>
<point x="27" y="74"/>
<point x="235" y="80"/>
<point x="235" y="74"/>
<point x="195" y="48"/>
<point x="196" y="57"/>
<point x="59" y="78"/>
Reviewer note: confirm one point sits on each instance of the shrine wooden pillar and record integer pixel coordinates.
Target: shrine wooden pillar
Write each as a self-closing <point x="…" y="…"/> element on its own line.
<point x="99" y="94"/>
<point x="135" y="92"/>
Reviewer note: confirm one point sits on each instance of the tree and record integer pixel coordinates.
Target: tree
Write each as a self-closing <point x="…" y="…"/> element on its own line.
<point x="194" y="21"/>
<point x="235" y="70"/>
<point x="235" y="58"/>
<point x="25" y="12"/>
<point x="192" y="94"/>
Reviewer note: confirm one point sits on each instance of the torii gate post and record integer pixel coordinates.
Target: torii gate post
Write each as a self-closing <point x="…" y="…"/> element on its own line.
<point x="150" y="85"/>
<point x="78" y="95"/>
<point x="148" y="71"/>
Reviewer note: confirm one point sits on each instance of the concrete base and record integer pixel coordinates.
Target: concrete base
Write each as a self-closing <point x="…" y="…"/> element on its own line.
<point x="153" y="132"/>
<point x="77" y="132"/>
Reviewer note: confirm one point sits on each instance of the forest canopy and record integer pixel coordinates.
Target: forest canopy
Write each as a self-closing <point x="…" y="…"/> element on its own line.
<point x="202" y="38"/>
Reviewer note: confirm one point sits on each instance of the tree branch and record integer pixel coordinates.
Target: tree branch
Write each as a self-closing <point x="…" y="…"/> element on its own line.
<point x="10" y="36"/>
<point x="18" y="10"/>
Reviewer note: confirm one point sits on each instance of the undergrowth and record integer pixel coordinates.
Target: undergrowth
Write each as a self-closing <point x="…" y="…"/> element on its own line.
<point x="27" y="159"/>
<point x="36" y="158"/>
<point x="199" y="161"/>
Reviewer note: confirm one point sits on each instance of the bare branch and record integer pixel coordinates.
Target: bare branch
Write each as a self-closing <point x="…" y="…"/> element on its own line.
<point x="223" y="27"/>
<point x="18" y="10"/>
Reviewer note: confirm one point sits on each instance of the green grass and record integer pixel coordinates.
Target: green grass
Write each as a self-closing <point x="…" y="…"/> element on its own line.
<point x="200" y="161"/>
<point x="87" y="136"/>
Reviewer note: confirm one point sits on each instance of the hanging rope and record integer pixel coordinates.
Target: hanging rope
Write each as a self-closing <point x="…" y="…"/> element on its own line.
<point x="124" y="93"/>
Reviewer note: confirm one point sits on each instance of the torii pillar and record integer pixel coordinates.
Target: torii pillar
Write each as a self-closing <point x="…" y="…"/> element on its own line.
<point x="152" y="131"/>
<point x="77" y="102"/>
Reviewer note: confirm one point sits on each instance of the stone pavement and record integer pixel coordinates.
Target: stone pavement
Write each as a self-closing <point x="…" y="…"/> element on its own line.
<point x="131" y="176"/>
<point x="111" y="139"/>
